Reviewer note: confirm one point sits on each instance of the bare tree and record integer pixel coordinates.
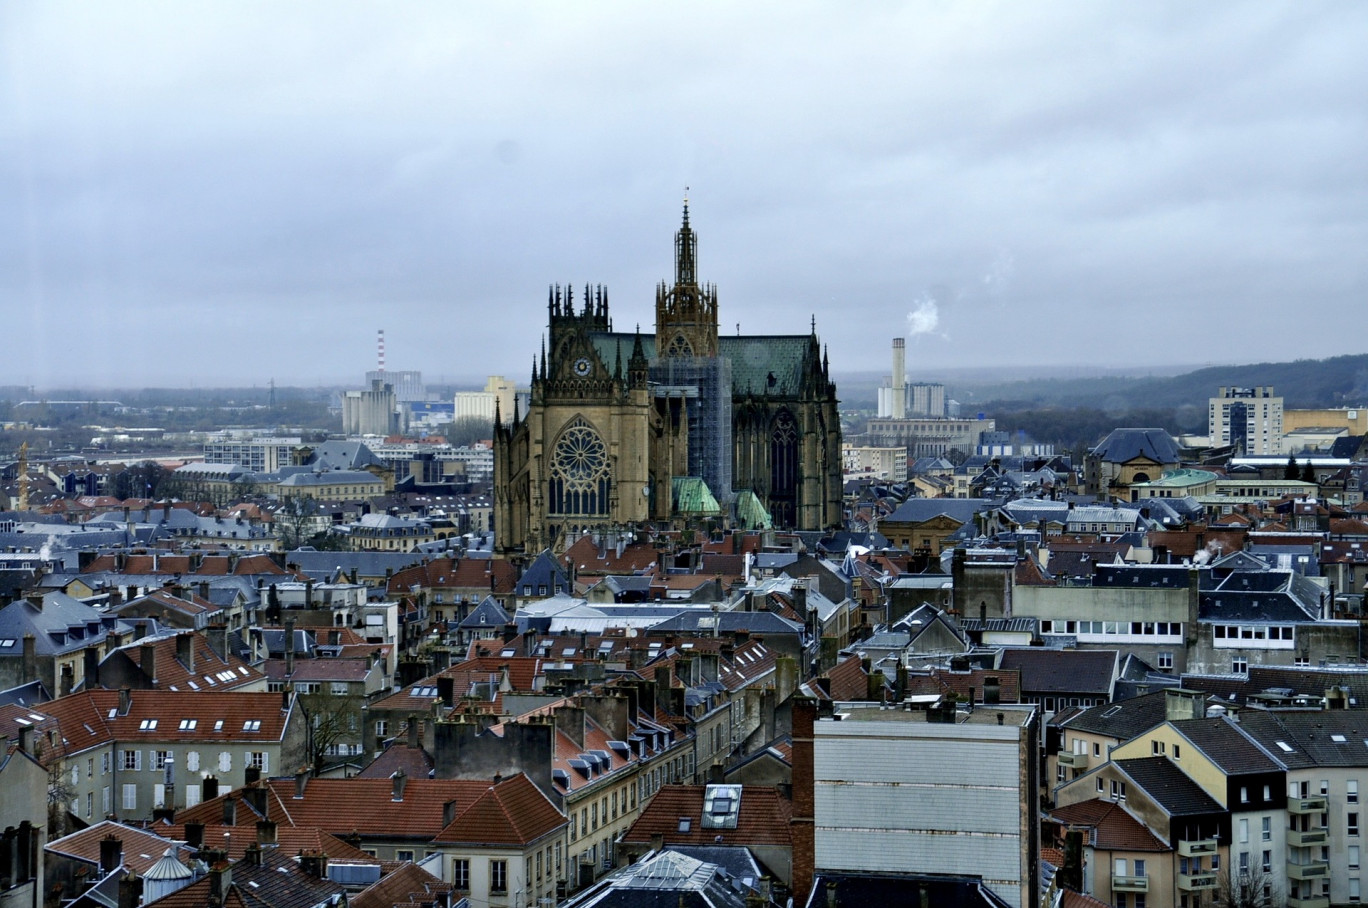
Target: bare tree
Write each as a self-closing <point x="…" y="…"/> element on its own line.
<point x="334" y="720"/>
<point x="1252" y="887"/>
<point x="295" y="521"/>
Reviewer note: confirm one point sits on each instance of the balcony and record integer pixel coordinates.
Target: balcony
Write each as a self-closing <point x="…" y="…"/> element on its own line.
<point x="1196" y="848"/>
<point x="1130" y="884"/>
<point x="1308" y="901"/>
<point x="1303" y="838"/>
<point x="1077" y="761"/>
<point x="1314" y="804"/>
<point x="1313" y="870"/>
<point x="1196" y="882"/>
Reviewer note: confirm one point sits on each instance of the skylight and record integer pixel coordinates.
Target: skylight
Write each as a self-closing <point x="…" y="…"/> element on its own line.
<point x="252" y="725"/>
<point x="1284" y="746"/>
<point x="188" y="724"/>
<point x="147" y="725"/>
<point x="1338" y="739"/>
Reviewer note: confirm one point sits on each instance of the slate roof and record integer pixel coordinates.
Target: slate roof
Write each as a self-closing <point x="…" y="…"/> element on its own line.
<point x="1062" y="671"/>
<point x="1300" y="739"/>
<point x="485" y="615"/>
<point x="1221" y="740"/>
<point x="409" y="884"/>
<point x="1124" y="445"/>
<point x="1167" y="786"/>
<point x="920" y="510"/>
<point x="1122" y="720"/>
<point x="278" y="882"/>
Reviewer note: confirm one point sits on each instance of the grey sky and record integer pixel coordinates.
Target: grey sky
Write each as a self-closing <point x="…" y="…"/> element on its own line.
<point x="225" y="193"/>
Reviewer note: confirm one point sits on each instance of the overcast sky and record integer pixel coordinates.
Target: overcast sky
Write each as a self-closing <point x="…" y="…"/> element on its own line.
<point x="211" y="193"/>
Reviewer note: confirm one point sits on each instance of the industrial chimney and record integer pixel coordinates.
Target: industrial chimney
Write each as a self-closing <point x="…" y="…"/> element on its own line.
<point x="898" y="393"/>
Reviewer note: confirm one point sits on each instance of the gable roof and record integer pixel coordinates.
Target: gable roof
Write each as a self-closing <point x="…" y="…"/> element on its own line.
<point x="513" y="811"/>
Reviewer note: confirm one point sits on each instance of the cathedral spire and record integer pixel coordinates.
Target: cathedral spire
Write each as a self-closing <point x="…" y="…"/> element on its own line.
<point x="686" y="249"/>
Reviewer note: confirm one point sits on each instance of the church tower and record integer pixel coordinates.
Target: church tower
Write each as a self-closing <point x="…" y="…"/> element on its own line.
<point x="686" y="314"/>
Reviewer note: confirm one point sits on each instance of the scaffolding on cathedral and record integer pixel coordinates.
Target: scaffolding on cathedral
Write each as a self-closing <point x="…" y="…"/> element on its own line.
<point x="705" y="385"/>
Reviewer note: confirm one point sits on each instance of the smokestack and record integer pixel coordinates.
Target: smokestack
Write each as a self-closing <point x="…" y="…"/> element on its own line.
<point x="898" y="403"/>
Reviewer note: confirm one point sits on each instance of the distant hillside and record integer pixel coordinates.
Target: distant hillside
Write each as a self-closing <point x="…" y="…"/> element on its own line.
<point x="1336" y="382"/>
<point x="1078" y="412"/>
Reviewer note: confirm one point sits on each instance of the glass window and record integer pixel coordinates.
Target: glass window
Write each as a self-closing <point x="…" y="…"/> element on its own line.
<point x="1267" y="829"/>
<point x="498" y="876"/>
<point x="460" y="873"/>
<point x="1351" y="791"/>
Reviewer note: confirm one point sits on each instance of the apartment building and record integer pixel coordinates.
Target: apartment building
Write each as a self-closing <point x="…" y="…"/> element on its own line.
<point x="1249" y="419"/>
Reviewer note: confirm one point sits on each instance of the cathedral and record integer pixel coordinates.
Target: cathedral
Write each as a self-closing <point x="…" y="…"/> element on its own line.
<point x="685" y="427"/>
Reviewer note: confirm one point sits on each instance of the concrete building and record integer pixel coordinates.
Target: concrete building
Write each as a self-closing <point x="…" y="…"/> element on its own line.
<point x="881" y="463"/>
<point x="1250" y="419"/>
<point x="498" y="392"/>
<point x="935" y="791"/>
<point x="259" y="455"/>
<point x="370" y="412"/>
<point x="408" y="385"/>
<point x="929" y="436"/>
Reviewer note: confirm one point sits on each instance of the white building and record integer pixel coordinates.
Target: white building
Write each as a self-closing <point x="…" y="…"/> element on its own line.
<point x="1249" y="418"/>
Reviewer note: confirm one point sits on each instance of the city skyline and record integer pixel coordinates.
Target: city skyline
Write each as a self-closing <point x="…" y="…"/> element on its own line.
<point x="219" y="196"/>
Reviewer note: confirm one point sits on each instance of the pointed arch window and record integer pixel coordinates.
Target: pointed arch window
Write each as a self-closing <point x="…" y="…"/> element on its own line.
<point x="580" y="481"/>
<point x="784" y="468"/>
<point x="679" y="347"/>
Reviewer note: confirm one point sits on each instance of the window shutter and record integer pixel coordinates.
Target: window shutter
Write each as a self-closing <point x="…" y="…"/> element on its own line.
<point x="265" y="762"/>
<point x="137" y="760"/>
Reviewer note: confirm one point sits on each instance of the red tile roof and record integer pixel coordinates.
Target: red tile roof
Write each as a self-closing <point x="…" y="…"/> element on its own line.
<point x="367" y="806"/>
<point x="1114" y="829"/>
<point x="763" y="818"/>
<point x="512" y="812"/>
<point x="141" y="848"/>
<point x="92" y="717"/>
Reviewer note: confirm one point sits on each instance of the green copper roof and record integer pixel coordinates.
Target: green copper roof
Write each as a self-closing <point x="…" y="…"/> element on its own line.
<point x="690" y="495"/>
<point x="750" y="513"/>
<point x="760" y="365"/>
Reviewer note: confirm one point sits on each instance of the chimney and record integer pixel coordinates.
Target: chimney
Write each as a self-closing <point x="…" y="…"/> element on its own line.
<point x="211" y="788"/>
<point x="250" y="777"/>
<point x="400" y="780"/>
<point x="289" y="646"/>
<point x="414" y="723"/>
<point x="230" y="811"/>
<point x="30" y="656"/>
<point x="194" y="835"/>
<point x="111" y="854"/>
<point x="220" y="882"/>
<point x="204" y="590"/>
<point x="185" y="651"/>
<point x="218" y="640"/>
<point x="657" y="841"/>
<point x="125" y="700"/>
<point x="130" y="890"/>
<point x="26" y="739"/>
<point x="314" y="863"/>
<point x="301" y="782"/>
<point x="91" y="665"/>
<point x="252" y="856"/>
<point x="266" y="832"/>
<point x="898" y="393"/>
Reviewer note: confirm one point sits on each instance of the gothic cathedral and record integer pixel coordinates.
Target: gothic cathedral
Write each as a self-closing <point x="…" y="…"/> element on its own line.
<point x="681" y="428"/>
